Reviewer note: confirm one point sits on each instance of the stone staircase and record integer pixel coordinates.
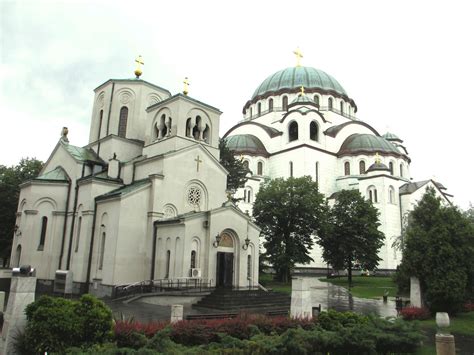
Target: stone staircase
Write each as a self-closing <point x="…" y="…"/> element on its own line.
<point x="256" y="301"/>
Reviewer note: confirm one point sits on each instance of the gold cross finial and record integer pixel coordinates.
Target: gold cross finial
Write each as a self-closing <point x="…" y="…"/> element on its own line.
<point x="302" y="90"/>
<point x="299" y="55"/>
<point x="138" y="69"/>
<point x="377" y="158"/>
<point x="186" y="86"/>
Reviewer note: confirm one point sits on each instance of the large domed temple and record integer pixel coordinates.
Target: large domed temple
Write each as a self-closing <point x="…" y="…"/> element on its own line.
<point x="301" y="121"/>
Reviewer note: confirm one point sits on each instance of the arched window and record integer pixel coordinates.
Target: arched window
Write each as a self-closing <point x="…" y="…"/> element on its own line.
<point x="401" y="170"/>
<point x="293" y="131"/>
<point x="259" y="108"/>
<point x="17" y="256"/>
<point x="291" y="169"/>
<point x="330" y="103"/>
<point x="270" y="105"/>
<point x="102" y="251"/>
<point x="347" y="168"/>
<point x="196" y="132"/>
<point x="101" y="114"/>
<point x="122" y="129"/>
<point x="341" y="107"/>
<point x="44" y="227"/>
<point x="313" y="131"/>
<point x="206" y="134"/>
<point x="285" y="103"/>
<point x="249" y="266"/>
<point x="316" y="172"/>
<point x="193" y="259"/>
<point x="316" y="100"/>
<point x="362" y="167"/>
<point x="391" y="194"/>
<point x="189" y="127"/>
<point x="250" y="113"/>
<point x="260" y="168"/>
<point x="372" y="194"/>
<point x="168" y="261"/>
<point x="78" y="234"/>
<point x="390" y="167"/>
<point x="246" y="165"/>
<point x="249" y="196"/>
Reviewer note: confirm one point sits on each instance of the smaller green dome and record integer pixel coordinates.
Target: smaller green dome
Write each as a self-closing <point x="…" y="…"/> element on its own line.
<point x="367" y="144"/>
<point x="391" y="137"/>
<point x="246" y="144"/>
<point x="378" y="167"/>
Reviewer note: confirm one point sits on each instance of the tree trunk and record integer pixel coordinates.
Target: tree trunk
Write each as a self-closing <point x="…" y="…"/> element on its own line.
<point x="349" y="273"/>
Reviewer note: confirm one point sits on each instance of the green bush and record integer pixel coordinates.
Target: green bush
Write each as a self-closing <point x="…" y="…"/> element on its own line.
<point x="55" y="324"/>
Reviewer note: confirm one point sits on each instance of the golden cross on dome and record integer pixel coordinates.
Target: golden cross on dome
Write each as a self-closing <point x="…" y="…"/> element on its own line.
<point x="377" y="158"/>
<point x="186" y="86"/>
<point x="299" y="55"/>
<point x="138" y="69"/>
<point x="302" y="90"/>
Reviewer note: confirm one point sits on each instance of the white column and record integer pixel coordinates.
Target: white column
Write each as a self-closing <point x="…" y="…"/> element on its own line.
<point x="415" y="292"/>
<point x="300" y="299"/>
<point x="176" y="313"/>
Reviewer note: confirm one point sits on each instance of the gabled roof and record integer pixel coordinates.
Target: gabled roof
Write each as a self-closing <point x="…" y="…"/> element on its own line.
<point x="57" y="174"/>
<point x="185" y="97"/>
<point x="134" y="80"/>
<point x="82" y="154"/>
<point x="124" y="190"/>
<point x="411" y="187"/>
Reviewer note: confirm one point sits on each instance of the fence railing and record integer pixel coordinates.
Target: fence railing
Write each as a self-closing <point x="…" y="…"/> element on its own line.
<point x="162" y="285"/>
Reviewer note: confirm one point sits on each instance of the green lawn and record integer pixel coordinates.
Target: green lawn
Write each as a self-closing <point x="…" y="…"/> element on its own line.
<point x="462" y="323"/>
<point x="267" y="281"/>
<point x="366" y="286"/>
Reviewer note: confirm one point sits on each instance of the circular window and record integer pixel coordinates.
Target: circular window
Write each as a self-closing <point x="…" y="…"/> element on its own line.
<point x="194" y="196"/>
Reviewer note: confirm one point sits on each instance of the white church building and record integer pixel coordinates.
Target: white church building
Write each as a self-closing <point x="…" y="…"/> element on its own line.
<point x="146" y="198"/>
<point x="300" y="121"/>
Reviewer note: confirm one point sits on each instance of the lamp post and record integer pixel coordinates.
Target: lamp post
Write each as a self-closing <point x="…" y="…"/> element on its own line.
<point x="217" y="241"/>
<point x="246" y="243"/>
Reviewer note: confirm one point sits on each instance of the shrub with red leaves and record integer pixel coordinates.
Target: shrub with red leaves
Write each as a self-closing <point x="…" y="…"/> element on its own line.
<point x="132" y="333"/>
<point x="468" y="306"/>
<point x="415" y="313"/>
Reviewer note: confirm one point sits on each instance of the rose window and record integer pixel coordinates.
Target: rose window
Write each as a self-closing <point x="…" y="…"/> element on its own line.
<point x="194" y="196"/>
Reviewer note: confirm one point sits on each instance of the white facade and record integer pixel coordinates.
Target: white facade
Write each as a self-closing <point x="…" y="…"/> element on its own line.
<point x="331" y="145"/>
<point x="144" y="200"/>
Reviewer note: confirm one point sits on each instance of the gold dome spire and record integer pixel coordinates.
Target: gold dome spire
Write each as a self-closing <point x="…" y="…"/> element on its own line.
<point x="299" y="55"/>
<point x="138" y="69"/>
<point x="186" y="86"/>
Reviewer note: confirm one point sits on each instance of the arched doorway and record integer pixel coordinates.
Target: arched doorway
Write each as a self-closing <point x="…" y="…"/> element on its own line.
<point x="225" y="261"/>
<point x="17" y="256"/>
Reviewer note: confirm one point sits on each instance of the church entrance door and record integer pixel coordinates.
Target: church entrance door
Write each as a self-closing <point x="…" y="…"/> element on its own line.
<point x="225" y="269"/>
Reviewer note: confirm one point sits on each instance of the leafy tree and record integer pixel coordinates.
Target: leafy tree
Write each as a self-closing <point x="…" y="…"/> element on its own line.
<point x="439" y="250"/>
<point x="289" y="212"/>
<point x="235" y="167"/>
<point x="352" y="233"/>
<point x="10" y="180"/>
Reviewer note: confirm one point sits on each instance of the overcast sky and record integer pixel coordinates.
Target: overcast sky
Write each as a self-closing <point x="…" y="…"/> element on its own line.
<point x="409" y="66"/>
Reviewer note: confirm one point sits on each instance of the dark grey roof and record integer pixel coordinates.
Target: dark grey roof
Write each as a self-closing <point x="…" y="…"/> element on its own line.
<point x="411" y="187"/>
<point x="367" y="144"/>
<point x="378" y="167"/>
<point x="246" y="144"/>
<point x="121" y="191"/>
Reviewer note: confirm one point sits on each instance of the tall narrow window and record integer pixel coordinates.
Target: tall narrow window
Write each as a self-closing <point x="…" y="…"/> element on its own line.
<point x="78" y="234"/>
<point x="250" y="113"/>
<point x="189" y="127"/>
<point x="44" y="227"/>
<point x="372" y="194"/>
<point x="330" y="103"/>
<point x="101" y="114"/>
<point x="341" y="107"/>
<point x="390" y="166"/>
<point x="122" y="129"/>
<point x="102" y="251"/>
<point x="196" y="129"/>
<point x="313" y="131"/>
<point x="168" y="261"/>
<point x="362" y="167"/>
<point x="347" y="168"/>
<point x="193" y="259"/>
<point x="285" y="103"/>
<point x="259" y="108"/>
<point x="249" y="266"/>
<point x="17" y="256"/>
<point x="375" y="196"/>
<point x="260" y="168"/>
<point x="293" y="131"/>
<point x="291" y="169"/>
<point x="249" y="196"/>
<point x="316" y="100"/>
<point x="391" y="194"/>
<point x="270" y="105"/>
<point x="401" y="170"/>
<point x="316" y="172"/>
<point x="246" y="165"/>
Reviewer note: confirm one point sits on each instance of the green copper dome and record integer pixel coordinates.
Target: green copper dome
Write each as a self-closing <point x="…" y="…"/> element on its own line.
<point x="295" y="77"/>
<point x="246" y="144"/>
<point x="367" y="144"/>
